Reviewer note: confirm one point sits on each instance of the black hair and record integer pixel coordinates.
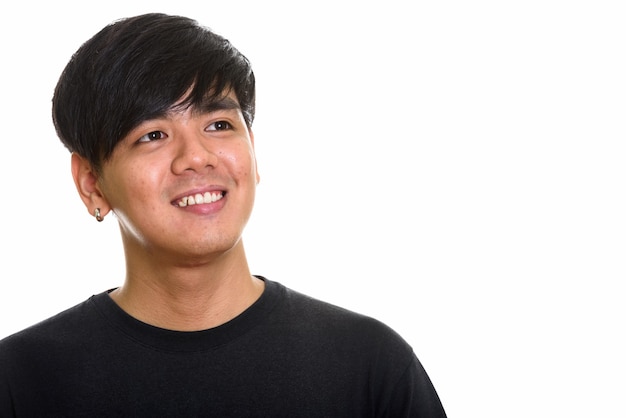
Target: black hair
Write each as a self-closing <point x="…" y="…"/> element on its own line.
<point x="138" y="68"/>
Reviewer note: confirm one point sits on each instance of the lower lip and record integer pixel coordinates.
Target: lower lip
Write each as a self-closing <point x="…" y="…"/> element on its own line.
<point x="205" y="208"/>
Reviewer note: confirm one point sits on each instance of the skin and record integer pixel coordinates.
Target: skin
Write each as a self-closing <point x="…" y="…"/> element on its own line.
<point x="186" y="267"/>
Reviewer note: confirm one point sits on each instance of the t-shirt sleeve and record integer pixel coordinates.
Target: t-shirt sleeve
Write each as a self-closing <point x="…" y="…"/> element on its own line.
<point x="414" y="395"/>
<point x="6" y="403"/>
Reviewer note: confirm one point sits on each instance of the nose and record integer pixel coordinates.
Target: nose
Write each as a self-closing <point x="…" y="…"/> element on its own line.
<point x="194" y="152"/>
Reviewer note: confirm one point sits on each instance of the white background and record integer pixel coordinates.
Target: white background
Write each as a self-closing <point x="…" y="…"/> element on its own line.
<point x="453" y="168"/>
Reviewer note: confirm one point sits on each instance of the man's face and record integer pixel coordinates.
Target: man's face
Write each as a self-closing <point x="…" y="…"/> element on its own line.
<point x="183" y="186"/>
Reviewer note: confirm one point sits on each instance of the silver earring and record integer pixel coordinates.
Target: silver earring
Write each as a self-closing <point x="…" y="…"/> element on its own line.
<point x="96" y="213"/>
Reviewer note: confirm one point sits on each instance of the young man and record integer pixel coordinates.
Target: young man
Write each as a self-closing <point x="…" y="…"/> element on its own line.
<point x="157" y="113"/>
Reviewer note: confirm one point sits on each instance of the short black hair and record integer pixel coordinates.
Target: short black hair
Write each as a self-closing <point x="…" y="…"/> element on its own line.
<point x="136" y="69"/>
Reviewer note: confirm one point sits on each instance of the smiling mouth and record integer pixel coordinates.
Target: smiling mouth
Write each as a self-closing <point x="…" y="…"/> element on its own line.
<point x="199" y="198"/>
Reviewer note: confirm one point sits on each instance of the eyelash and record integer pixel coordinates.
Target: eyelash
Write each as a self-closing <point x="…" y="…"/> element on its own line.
<point x="156" y="135"/>
<point x="226" y="125"/>
<point x="150" y="136"/>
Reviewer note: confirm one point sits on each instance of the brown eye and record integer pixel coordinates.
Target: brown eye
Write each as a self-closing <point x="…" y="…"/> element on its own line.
<point x="152" y="136"/>
<point x="220" y="125"/>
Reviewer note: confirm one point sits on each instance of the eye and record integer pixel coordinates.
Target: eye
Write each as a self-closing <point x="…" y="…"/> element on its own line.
<point x="152" y="136"/>
<point x="220" y="125"/>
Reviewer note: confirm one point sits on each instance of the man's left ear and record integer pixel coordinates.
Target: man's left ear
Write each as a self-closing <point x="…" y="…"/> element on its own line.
<point x="86" y="182"/>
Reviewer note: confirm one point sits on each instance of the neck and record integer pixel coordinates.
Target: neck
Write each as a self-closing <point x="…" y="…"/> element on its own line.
<point x="188" y="298"/>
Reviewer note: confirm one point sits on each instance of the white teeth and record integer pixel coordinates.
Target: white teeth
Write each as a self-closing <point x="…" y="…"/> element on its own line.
<point x="198" y="199"/>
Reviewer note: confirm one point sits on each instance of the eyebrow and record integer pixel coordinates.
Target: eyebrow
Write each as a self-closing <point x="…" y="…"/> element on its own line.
<point x="223" y="103"/>
<point x="206" y="106"/>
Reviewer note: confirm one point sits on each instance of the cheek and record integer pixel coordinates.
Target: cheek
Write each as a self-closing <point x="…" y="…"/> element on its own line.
<point x="135" y="183"/>
<point x="241" y="161"/>
<point x="131" y="185"/>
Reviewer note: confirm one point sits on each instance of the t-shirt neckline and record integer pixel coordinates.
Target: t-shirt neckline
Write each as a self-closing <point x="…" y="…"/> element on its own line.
<point x="188" y="341"/>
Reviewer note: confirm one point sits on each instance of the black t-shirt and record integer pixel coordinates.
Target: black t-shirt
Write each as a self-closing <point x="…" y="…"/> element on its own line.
<point x="288" y="355"/>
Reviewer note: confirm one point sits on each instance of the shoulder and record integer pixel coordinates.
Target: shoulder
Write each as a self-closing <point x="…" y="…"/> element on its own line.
<point x="355" y="344"/>
<point x="330" y="321"/>
<point x="55" y="332"/>
<point x="318" y="310"/>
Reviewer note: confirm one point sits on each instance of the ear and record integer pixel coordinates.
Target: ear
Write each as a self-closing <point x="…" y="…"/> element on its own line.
<point x="256" y="167"/>
<point x="86" y="181"/>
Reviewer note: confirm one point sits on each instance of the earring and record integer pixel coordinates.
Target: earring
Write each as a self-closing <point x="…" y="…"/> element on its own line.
<point x="96" y="213"/>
